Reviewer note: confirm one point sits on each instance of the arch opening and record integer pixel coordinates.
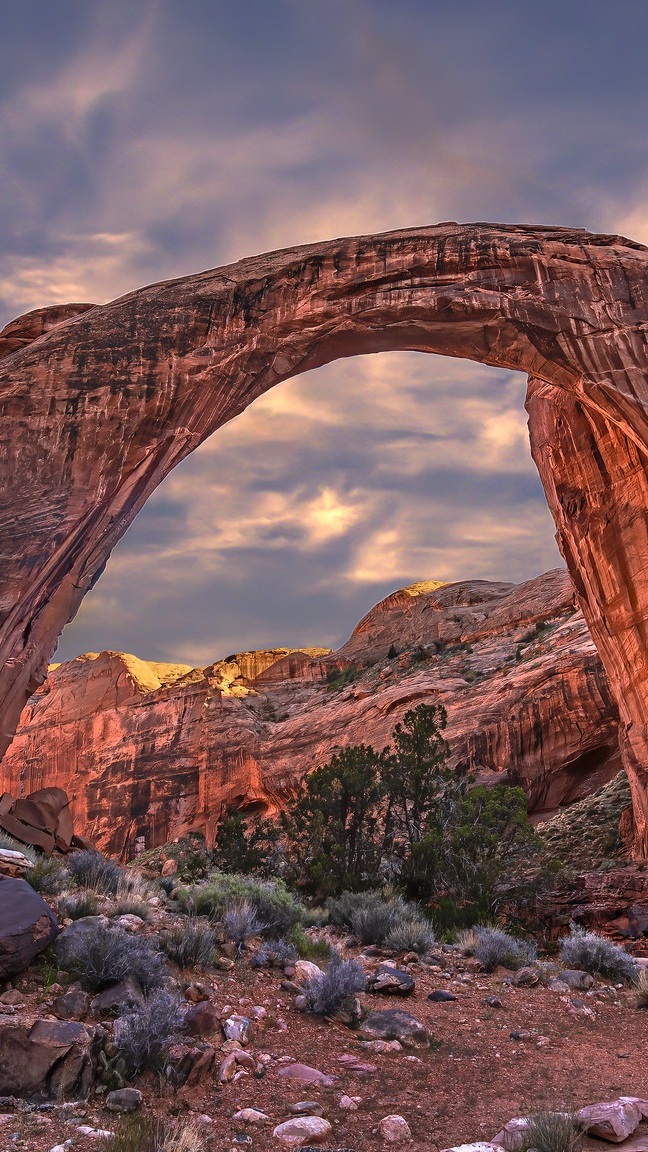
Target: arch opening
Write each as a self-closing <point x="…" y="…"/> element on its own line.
<point x="99" y="409"/>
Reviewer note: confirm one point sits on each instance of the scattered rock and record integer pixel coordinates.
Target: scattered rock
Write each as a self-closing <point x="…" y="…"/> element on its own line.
<point x="196" y="992"/>
<point x="202" y="1020"/>
<point x="302" y="1129"/>
<point x="46" y="1059"/>
<point x="493" y="1002"/>
<point x="391" y="981"/>
<point x="251" y="1116"/>
<point x="440" y="996"/>
<point x="350" y="1103"/>
<point x="395" y="1025"/>
<point x="124" y="1100"/>
<point x="126" y="994"/>
<point x="27" y="925"/>
<point x="306" y="1108"/>
<point x="72" y="1005"/>
<point x="381" y="1045"/>
<point x="513" y="1135"/>
<point x="189" y="1064"/>
<point x="394" y="1129"/>
<point x="577" y="1007"/>
<point x="576" y="980"/>
<point x="237" y="1028"/>
<point x="526" y="977"/>
<point x="130" y="922"/>
<point x="305" y="971"/>
<point x="614" y="1120"/>
<point x="306" y="1075"/>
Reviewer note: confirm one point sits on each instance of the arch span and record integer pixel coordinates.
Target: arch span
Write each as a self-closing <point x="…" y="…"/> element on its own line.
<point x="99" y="403"/>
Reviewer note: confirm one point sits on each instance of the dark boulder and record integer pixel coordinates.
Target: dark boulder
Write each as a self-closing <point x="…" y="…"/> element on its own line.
<point x="27" y="926"/>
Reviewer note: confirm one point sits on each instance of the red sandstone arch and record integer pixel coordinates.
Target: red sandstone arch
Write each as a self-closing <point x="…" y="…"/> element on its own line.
<point x="98" y="408"/>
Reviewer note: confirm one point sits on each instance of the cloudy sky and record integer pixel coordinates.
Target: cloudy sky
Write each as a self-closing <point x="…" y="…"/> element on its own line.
<point x="147" y="139"/>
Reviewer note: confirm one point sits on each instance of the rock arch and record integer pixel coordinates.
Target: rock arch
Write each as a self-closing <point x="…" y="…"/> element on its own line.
<point x="99" y="403"/>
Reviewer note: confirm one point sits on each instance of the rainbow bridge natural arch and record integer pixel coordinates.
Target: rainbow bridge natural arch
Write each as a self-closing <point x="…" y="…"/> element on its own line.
<point x="99" y="403"/>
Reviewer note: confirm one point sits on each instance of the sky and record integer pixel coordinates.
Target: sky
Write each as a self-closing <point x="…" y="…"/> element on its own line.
<point x="147" y="139"/>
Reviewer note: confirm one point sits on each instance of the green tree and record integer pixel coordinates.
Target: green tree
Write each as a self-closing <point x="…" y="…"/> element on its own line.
<point x="416" y="779"/>
<point x="459" y="865"/>
<point x="334" y="828"/>
<point x="245" y="844"/>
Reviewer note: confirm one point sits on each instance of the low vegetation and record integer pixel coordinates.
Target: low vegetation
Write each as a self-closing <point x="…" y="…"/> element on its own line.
<point x="333" y="991"/>
<point x="144" y="1033"/>
<point x="191" y="943"/>
<point x="143" y="1133"/>
<point x="90" y="869"/>
<point x="100" y="955"/>
<point x="492" y="947"/>
<point x="275" y="906"/>
<point x="548" y="1131"/>
<point x="594" y="954"/>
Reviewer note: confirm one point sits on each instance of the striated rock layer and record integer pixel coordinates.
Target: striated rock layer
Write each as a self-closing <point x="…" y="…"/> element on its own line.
<point x="152" y="750"/>
<point x="97" y="409"/>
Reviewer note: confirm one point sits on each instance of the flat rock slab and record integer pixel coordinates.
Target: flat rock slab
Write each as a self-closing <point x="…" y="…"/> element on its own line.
<point x="613" y="1120"/>
<point x="391" y="981"/>
<point x="306" y="1075"/>
<point x="395" y="1025"/>
<point x="27" y="926"/>
<point x="46" y="1059"/>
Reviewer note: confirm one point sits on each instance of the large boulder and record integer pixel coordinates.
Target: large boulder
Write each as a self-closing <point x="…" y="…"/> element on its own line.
<point x="395" y="1025"/>
<point x="46" y="1059"/>
<point x="27" y="926"/>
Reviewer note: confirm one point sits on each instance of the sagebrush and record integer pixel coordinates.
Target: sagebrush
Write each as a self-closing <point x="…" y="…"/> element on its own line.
<point x="600" y="957"/>
<point x="190" y="943"/>
<point x="335" y="988"/>
<point x="99" y="956"/>
<point x="144" y="1033"/>
<point x="90" y="869"/>
<point x="496" y="947"/>
<point x="275" y="906"/>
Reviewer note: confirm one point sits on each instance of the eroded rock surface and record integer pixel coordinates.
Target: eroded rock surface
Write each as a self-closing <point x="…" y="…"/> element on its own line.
<point x="149" y="750"/>
<point x="97" y="409"/>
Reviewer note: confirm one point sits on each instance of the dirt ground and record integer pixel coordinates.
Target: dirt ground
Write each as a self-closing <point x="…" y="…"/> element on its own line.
<point x="475" y="1076"/>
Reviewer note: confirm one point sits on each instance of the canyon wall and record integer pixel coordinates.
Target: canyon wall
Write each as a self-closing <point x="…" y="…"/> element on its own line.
<point x="98" y="404"/>
<point x="152" y="751"/>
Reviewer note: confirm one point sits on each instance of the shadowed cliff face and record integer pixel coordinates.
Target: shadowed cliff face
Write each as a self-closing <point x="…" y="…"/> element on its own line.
<point x="96" y="411"/>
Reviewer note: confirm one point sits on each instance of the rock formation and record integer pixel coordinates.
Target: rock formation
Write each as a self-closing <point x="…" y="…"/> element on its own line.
<point x="151" y="751"/>
<point x="97" y="410"/>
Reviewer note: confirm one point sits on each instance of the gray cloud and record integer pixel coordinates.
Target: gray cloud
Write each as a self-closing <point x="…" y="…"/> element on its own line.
<point x="140" y="147"/>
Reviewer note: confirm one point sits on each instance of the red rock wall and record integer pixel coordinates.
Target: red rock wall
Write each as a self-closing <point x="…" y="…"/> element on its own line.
<point x="154" y="750"/>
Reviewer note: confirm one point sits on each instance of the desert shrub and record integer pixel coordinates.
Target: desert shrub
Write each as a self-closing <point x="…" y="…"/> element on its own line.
<point x="76" y="905"/>
<point x="144" y="1033"/>
<point x="12" y="845"/>
<point x="275" y="906"/>
<point x="49" y="875"/>
<point x="641" y="998"/>
<point x="242" y="923"/>
<point x="595" y="954"/>
<point x="467" y="940"/>
<point x="190" y="943"/>
<point x="410" y="934"/>
<point x="548" y="1131"/>
<point x="130" y="906"/>
<point x="105" y="955"/>
<point x="335" y="988"/>
<point x="309" y="947"/>
<point x="142" y="1133"/>
<point x="276" y="954"/>
<point x="90" y="869"/>
<point x="498" y="947"/>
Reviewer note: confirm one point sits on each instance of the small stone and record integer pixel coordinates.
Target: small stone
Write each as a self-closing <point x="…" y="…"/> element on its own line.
<point x="72" y="1005"/>
<point x="391" y="981"/>
<point x="169" y="868"/>
<point x="305" y="1074"/>
<point x="525" y="977"/>
<point x="394" y="1129"/>
<point x="305" y="971"/>
<point x="251" y="1116"/>
<point x="201" y="1020"/>
<point x="440" y="996"/>
<point x="301" y="1130"/>
<point x="124" y="1100"/>
<point x="237" y="1028"/>
<point x="14" y="997"/>
<point x="130" y="922"/>
<point x="493" y="1002"/>
<point x="223" y="963"/>
<point x="196" y="992"/>
<point x="578" y="1007"/>
<point x="306" y="1108"/>
<point x="521" y="1034"/>
<point x="350" y="1103"/>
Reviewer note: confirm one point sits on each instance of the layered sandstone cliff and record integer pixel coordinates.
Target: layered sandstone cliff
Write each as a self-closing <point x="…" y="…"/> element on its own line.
<point x="150" y="750"/>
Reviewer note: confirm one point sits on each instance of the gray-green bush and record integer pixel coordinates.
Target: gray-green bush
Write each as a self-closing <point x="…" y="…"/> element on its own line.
<point x="190" y="943"/>
<point x="600" y="957"/>
<point x="144" y="1033"/>
<point x="275" y="906"/>
<point x="99" y="956"/>
<point x="89" y="869"/>
<point x="335" y="988"/>
<point x="498" y="947"/>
